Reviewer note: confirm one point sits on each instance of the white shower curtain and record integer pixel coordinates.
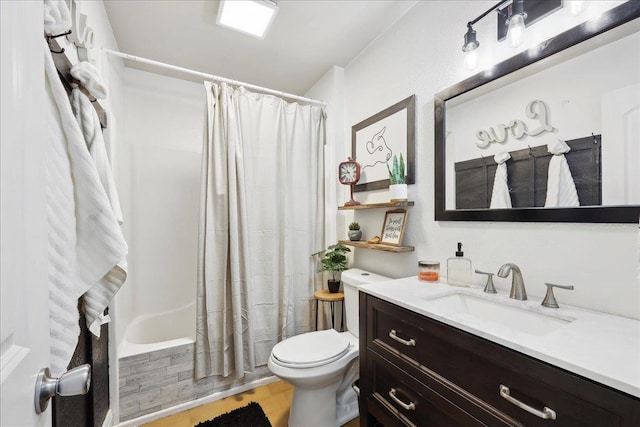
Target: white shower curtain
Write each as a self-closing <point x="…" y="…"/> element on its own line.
<point x="261" y="216"/>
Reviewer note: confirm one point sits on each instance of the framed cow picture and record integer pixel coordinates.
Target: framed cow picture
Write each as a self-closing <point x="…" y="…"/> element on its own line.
<point x="374" y="142"/>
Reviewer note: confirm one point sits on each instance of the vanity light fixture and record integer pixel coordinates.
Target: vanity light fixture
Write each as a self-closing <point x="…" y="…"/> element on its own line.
<point x="253" y="17"/>
<point x="513" y="17"/>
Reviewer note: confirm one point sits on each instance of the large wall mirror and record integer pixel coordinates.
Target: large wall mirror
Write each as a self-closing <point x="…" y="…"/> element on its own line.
<point x="577" y="96"/>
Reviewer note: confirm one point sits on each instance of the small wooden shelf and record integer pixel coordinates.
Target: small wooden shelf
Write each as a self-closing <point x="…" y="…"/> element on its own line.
<point x="378" y="205"/>
<point x="378" y="247"/>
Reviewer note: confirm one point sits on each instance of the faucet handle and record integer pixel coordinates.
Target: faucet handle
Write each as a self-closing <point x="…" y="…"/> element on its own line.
<point x="550" y="299"/>
<point x="488" y="288"/>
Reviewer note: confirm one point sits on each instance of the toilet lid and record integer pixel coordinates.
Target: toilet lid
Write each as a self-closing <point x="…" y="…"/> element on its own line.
<point x="311" y="349"/>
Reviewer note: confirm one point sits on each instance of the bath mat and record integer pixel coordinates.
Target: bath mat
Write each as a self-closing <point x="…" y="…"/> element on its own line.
<point x="251" y="415"/>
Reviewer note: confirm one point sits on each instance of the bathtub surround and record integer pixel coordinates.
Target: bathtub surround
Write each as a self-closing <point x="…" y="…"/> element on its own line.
<point x="260" y="217"/>
<point x="162" y="379"/>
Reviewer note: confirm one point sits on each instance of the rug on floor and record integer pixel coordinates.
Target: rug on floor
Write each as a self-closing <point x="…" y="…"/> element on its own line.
<point x="251" y="415"/>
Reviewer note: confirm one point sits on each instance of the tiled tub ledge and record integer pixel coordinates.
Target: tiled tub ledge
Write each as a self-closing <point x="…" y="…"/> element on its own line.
<point x="162" y="379"/>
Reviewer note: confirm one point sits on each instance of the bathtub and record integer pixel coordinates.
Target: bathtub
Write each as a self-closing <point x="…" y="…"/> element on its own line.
<point x="152" y="332"/>
<point x="156" y="361"/>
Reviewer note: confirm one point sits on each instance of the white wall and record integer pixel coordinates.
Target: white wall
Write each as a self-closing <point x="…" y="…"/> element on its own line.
<point x="330" y="89"/>
<point x="159" y="158"/>
<point x="420" y="54"/>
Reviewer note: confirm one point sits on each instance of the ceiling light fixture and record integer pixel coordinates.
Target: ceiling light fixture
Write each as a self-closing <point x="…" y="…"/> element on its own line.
<point x="253" y="17"/>
<point x="513" y="17"/>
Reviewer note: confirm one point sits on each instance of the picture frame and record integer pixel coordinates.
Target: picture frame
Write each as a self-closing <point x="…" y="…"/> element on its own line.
<point x="393" y="227"/>
<point x="375" y="140"/>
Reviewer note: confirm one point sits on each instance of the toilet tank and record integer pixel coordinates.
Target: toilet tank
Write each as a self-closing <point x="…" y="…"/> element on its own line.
<point x="351" y="280"/>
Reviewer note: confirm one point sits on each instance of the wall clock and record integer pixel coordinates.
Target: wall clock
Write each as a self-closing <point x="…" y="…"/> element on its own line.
<point x="349" y="174"/>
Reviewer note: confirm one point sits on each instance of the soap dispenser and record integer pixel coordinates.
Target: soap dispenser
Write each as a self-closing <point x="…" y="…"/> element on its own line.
<point x="459" y="269"/>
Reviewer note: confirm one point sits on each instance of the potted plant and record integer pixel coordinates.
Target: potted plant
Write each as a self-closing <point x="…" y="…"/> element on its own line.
<point x="397" y="183"/>
<point x="355" y="233"/>
<point x="333" y="260"/>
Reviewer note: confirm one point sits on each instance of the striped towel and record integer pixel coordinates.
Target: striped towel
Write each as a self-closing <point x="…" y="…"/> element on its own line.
<point x="85" y="240"/>
<point x="97" y="298"/>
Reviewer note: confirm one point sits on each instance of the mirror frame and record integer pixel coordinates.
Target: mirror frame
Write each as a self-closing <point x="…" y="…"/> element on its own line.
<point x="613" y="18"/>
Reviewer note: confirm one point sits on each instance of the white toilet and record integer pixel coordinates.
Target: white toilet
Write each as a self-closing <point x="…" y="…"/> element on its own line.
<point x="322" y="365"/>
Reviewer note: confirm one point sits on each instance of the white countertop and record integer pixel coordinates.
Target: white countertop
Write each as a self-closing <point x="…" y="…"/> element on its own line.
<point x="598" y="346"/>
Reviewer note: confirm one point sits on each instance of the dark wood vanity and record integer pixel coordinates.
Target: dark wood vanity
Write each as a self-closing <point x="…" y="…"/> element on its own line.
<point x="415" y="371"/>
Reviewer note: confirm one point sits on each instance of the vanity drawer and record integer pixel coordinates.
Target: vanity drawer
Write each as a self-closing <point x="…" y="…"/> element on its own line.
<point x="397" y="399"/>
<point x="454" y="362"/>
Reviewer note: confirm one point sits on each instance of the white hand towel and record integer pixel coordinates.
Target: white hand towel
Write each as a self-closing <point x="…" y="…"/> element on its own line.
<point x="57" y="18"/>
<point x="97" y="298"/>
<point x="90" y="78"/>
<point x="561" y="190"/>
<point x="500" y="197"/>
<point x="90" y="125"/>
<point x="85" y="240"/>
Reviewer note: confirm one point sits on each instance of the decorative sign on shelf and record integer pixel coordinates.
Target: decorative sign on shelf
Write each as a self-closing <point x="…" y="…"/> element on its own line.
<point x="393" y="227"/>
<point x="536" y="110"/>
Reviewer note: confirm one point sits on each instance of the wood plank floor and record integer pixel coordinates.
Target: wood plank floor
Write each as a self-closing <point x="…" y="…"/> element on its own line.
<point x="275" y="399"/>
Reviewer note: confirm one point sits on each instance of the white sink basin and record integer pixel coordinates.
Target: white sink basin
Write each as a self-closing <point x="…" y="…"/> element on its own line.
<point x="508" y="316"/>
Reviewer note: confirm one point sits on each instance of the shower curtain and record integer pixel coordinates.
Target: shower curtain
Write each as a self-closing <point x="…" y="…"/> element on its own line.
<point x="261" y="216"/>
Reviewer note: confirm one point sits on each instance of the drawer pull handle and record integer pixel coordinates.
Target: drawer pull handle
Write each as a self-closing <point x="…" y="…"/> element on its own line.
<point x="394" y="336"/>
<point x="409" y="407"/>
<point x="545" y="414"/>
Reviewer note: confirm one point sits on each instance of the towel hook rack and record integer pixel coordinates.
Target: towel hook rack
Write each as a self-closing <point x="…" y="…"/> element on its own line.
<point x="55" y="36"/>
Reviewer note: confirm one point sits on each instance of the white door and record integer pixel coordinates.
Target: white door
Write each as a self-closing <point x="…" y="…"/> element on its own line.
<point x="621" y="129"/>
<point x="24" y="323"/>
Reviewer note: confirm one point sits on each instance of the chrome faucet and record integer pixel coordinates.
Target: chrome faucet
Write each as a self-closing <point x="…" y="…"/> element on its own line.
<point x="517" y="284"/>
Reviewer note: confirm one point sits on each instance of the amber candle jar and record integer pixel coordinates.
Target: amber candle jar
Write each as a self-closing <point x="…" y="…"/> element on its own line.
<point x="429" y="271"/>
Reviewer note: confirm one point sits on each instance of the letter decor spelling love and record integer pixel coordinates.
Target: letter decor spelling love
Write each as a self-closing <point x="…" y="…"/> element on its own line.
<point x="536" y="110"/>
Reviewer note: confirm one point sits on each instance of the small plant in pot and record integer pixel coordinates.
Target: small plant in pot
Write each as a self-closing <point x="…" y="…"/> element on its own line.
<point x="334" y="260"/>
<point x="397" y="183"/>
<point x="355" y="234"/>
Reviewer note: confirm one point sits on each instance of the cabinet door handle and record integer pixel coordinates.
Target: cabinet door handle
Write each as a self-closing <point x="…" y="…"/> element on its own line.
<point x="394" y="336"/>
<point x="408" y="407"/>
<point x="545" y="414"/>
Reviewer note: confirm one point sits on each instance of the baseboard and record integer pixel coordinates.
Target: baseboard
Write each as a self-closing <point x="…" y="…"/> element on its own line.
<point x="198" y="402"/>
<point x="108" y="419"/>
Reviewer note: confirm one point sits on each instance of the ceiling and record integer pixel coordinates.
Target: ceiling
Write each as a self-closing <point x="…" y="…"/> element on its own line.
<point x="305" y="40"/>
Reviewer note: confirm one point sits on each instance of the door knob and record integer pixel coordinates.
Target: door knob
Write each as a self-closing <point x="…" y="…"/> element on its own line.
<point x="74" y="382"/>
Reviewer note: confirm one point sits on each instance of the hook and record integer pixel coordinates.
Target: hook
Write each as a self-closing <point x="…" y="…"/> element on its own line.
<point x="595" y="140"/>
<point x="54" y="51"/>
<point x="55" y="36"/>
<point x="530" y="151"/>
<point x="49" y="38"/>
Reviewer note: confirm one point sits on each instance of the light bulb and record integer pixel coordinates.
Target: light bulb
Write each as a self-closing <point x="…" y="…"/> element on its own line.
<point x="471" y="59"/>
<point x="515" y="33"/>
<point x="575" y="7"/>
<point x="470" y="48"/>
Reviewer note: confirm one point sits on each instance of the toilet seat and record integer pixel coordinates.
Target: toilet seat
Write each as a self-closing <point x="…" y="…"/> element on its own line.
<point x="311" y="349"/>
